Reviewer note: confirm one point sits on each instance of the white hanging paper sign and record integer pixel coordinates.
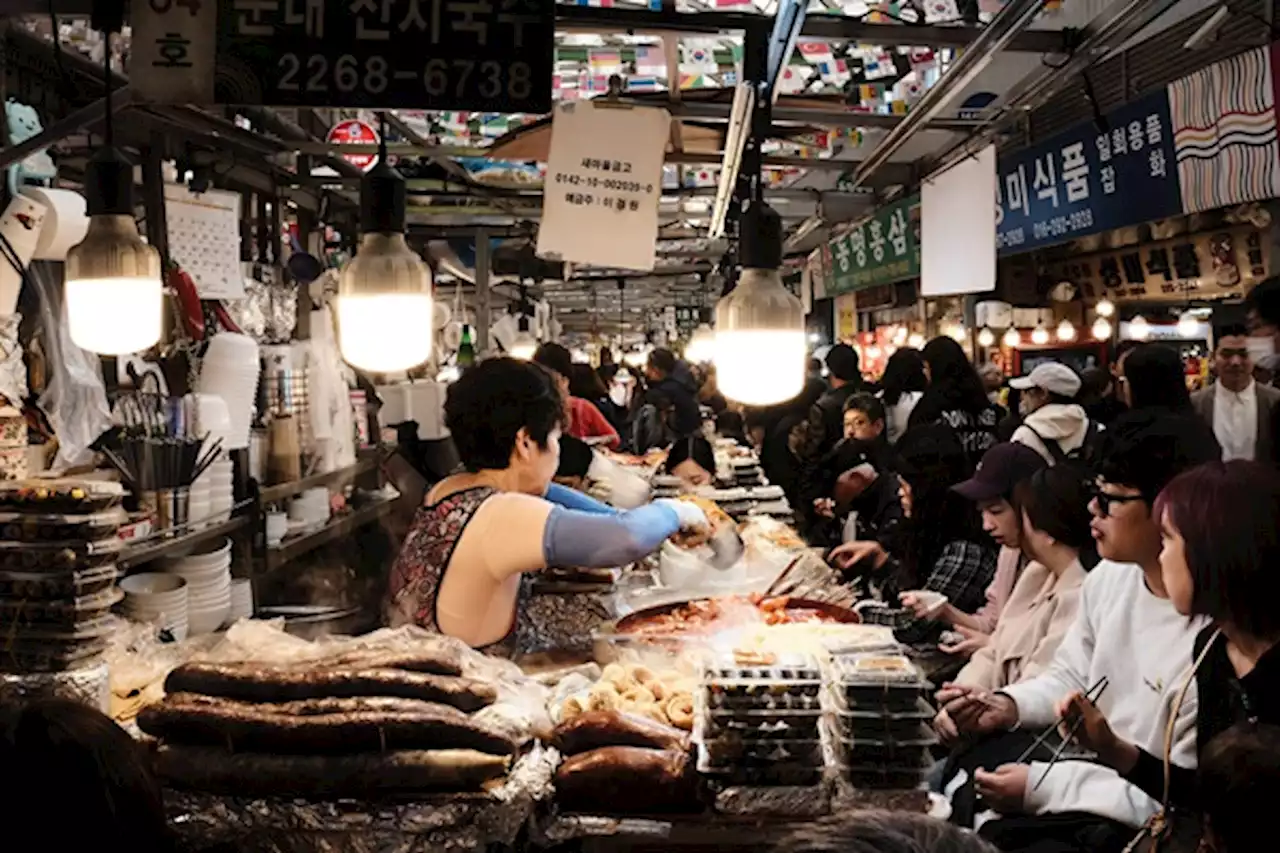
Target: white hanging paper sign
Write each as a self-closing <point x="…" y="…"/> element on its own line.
<point x="204" y="238"/>
<point x="604" y="179"/>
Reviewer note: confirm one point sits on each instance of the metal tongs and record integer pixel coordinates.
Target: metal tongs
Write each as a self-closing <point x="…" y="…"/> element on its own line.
<point x="727" y="547"/>
<point x="1093" y="695"/>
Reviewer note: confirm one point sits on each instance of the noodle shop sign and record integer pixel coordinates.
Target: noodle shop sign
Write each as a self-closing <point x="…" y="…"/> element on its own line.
<point x="478" y="55"/>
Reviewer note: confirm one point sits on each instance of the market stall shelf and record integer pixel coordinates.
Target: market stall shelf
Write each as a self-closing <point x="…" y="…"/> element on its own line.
<point x="339" y="527"/>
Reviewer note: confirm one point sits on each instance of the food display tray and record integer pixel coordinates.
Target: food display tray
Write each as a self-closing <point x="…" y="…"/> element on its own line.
<point x="879" y="724"/>
<point x="762" y="776"/>
<point x="763" y="725"/>
<point x="56" y="585"/>
<point x="886" y="776"/>
<point x="61" y="613"/>
<point x="59" y="495"/>
<point x="737" y="752"/>
<point x="781" y="668"/>
<point x="59" y="527"/>
<point x="97" y="628"/>
<point x="764" y="696"/>
<point x="49" y="656"/>
<point x="58" y="556"/>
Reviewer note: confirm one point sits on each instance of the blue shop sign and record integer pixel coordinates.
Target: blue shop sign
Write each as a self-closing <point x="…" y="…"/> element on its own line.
<point x="1085" y="181"/>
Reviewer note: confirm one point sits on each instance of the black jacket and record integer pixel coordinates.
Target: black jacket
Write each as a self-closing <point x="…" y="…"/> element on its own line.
<point x="680" y="391"/>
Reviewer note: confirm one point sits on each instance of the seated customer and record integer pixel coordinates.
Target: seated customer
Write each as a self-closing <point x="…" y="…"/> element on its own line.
<point x="463" y="568"/>
<point x="1052" y="507"/>
<point x="1221" y="528"/>
<point x="1127" y="635"/>
<point x="991" y="487"/>
<point x="584" y="420"/>
<point x="76" y="779"/>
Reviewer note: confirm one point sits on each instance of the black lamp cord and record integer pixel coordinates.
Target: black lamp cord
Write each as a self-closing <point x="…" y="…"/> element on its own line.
<point x="107" y="122"/>
<point x="382" y="137"/>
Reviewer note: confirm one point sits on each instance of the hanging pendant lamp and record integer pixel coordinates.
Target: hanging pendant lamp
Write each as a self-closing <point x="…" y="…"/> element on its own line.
<point x="760" y="342"/>
<point x="385" y="311"/>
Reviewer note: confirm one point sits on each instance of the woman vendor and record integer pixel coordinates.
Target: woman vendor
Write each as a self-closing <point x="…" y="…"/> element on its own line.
<point x="465" y="567"/>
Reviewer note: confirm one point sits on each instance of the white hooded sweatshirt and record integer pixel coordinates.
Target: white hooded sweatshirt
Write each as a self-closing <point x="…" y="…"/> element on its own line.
<point x="1065" y="423"/>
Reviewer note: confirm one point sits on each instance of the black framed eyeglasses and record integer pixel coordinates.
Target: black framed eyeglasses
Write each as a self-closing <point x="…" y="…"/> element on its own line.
<point x="1106" y="499"/>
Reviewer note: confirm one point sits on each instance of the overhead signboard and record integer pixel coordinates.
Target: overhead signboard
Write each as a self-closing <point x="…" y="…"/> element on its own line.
<point x="1090" y="179"/>
<point x="881" y="250"/>
<point x="480" y="55"/>
<point x="604" y="180"/>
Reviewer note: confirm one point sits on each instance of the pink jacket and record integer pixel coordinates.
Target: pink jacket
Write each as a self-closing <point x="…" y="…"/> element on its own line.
<point x="1007" y="565"/>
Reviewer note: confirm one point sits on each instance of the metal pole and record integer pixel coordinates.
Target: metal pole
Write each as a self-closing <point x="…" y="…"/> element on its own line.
<point x="1011" y="20"/>
<point x="482" y="290"/>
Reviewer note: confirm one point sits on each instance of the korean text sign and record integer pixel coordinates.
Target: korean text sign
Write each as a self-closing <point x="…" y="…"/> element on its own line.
<point x="603" y="183"/>
<point x="482" y="55"/>
<point x="1090" y="179"/>
<point x="881" y="250"/>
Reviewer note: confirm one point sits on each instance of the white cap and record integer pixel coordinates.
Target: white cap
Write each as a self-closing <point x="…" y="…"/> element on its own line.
<point x="1051" y="376"/>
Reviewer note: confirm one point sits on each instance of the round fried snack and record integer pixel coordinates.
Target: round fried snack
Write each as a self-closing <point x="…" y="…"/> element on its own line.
<point x="603" y="698"/>
<point x="574" y="706"/>
<point x="638" y="696"/>
<point x="653" y="711"/>
<point x="614" y="673"/>
<point x="679" y="711"/>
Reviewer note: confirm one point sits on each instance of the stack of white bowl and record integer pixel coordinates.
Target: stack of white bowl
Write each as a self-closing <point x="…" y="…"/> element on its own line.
<point x="230" y="370"/>
<point x="241" y="600"/>
<point x="207" y="572"/>
<point x="213" y="492"/>
<point x="158" y="598"/>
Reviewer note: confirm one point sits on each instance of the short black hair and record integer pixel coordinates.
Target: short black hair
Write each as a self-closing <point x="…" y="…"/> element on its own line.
<point x="813" y="365"/>
<point x="1229" y="330"/>
<point x="1264" y="300"/>
<point x="868" y="404"/>
<point x="491" y="402"/>
<point x="1121" y="347"/>
<point x="1146" y="449"/>
<point x="663" y="361"/>
<point x="1157" y="377"/>
<point x="575" y="457"/>
<point x="1239" y="786"/>
<point x="66" y="752"/>
<point x="1056" y="501"/>
<point x="554" y="356"/>
<point x="1228" y="515"/>
<point x="843" y="364"/>
<point x="884" y="832"/>
<point x="693" y="447"/>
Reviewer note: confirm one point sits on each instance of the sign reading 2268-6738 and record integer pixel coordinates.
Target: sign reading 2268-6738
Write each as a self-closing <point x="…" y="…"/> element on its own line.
<point x="480" y="55"/>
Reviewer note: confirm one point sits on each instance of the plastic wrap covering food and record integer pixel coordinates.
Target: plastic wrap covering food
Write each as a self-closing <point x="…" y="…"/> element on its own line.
<point x="139" y="660"/>
<point x="252" y="313"/>
<point x="88" y="685"/>
<point x="435" y="823"/>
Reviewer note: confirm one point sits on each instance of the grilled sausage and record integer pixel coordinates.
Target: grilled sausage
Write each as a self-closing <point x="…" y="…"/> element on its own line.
<point x="240" y="726"/>
<point x="596" y="729"/>
<point x="628" y="779"/>
<point x="266" y="684"/>
<point x="326" y="776"/>
<point x="433" y="662"/>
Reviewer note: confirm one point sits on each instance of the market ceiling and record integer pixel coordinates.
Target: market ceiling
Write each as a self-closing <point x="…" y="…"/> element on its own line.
<point x="835" y="112"/>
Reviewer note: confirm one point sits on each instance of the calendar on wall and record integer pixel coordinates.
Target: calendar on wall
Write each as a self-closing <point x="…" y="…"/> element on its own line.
<point x="204" y="238"/>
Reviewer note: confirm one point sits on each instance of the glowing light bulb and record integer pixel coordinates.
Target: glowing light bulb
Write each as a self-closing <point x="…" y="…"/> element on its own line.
<point x="915" y="340"/>
<point x="1101" y="329"/>
<point x="1188" y="325"/>
<point x="1105" y="308"/>
<point x="1040" y="336"/>
<point x="986" y="337"/>
<point x="1139" y="328"/>
<point x="1066" y="331"/>
<point x="1012" y="337"/>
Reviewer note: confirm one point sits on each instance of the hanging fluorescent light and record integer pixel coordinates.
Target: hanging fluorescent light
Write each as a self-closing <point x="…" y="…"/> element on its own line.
<point x="1188" y="325"/>
<point x="702" y="345"/>
<point x="1105" y="308"/>
<point x="113" y="292"/>
<point x="1066" y="331"/>
<point x="744" y="100"/>
<point x="385" y="315"/>
<point x="1139" y="328"/>
<point x="1101" y="329"/>
<point x="760" y="338"/>
<point x="986" y="337"/>
<point x="1012" y="338"/>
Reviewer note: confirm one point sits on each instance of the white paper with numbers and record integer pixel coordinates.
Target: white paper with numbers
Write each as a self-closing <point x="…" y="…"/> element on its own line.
<point x="204" y="238"/>
<point x="172" y="50"/>
<point x="604" y="179"/>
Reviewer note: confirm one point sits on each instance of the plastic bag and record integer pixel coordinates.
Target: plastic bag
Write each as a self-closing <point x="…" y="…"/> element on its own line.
<point x="74" y="400"/>
<point x="13" y="371"/>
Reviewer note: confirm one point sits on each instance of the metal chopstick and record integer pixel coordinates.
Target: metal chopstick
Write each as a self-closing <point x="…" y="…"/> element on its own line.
<point x="1098" y="686"/>
<point x="1071" y="733"/>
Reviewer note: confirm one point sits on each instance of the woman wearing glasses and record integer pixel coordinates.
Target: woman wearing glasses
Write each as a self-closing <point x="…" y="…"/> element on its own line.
<point x="1220" y="527"/>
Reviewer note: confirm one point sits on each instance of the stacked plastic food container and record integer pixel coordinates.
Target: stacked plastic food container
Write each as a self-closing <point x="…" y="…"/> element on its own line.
<point x="58" y="548"/>
<point x="880" y="720"/>
<point x="759" y="721"/>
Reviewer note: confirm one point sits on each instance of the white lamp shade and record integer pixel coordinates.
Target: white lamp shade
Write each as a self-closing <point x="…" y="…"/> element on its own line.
<point x="760" y="341"/>
<point x="385" y="333"/>
<point x="385" y="312"/>
<point x="113" y="292"/>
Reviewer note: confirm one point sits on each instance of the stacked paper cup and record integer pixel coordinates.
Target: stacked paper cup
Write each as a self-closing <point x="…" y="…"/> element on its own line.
<point x="230" y="370"/>
<point x="158" y="598"/>
<point x="208" y="576"/>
